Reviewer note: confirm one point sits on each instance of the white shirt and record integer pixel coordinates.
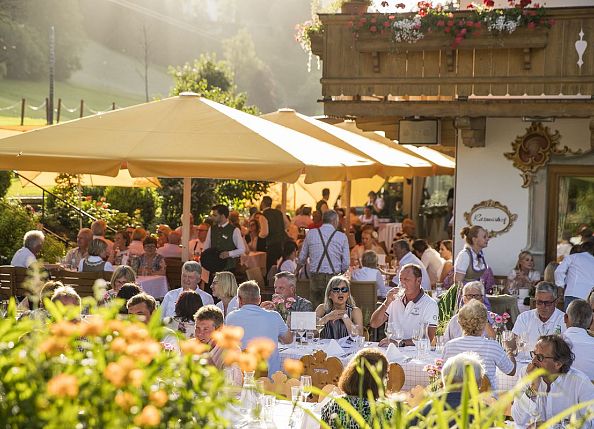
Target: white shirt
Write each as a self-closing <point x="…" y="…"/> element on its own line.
<point x="288" y="265"/>
<point x="463" y="261"/>
<point x="168" y="305"/>
<point x="413" y="315"/>
<point x="170" y="251"/>
<point x="410" y="258"/>
<point x="490" y="351"/>
<point x="529" y="324"/>
<point x="582" y="346"/>
<point x="563" y="249"/>
<point x="366" y="274"/>
<point x="576" y="274"/>
<point x="567" y="390"/>
<point x="95" y="259"/>
<point x="233" y="305"/>
<point x="238" y="241"/>
<point x="23" y="258"/>
<point x="533" y="275"/>
<point x="434" y="264"/>
<point x="369" y="220"/>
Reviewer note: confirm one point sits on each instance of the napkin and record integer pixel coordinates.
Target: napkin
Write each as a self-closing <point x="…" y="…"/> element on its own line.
<point x="394" y="354"/>
<point x="346" y="342"/>
<point x="333" y="349"/>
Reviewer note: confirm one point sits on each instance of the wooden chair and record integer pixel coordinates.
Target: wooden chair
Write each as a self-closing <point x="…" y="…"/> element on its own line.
<point x="15" y="278"/>
<point x="82" y="282"/>
<point x="7" y="280"/>
<point x="256" y="275"/>
<point x="173" y="269"/>
<point x="329" y="389"/>
<point x="279" y="384"/>
<point x="323" y="370"/>
<point x="365" y="296"/>
<point x="485" y="384"/>
<point x="303" y="289"/>
<point x="396" y="378"/>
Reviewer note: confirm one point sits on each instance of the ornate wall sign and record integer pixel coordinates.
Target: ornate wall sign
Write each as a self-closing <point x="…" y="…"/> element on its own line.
<point x="533" y="151"/>
<point x="493" y="216"/>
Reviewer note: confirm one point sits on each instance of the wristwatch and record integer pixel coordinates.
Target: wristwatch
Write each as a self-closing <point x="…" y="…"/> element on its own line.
<point x="345" y="316"/>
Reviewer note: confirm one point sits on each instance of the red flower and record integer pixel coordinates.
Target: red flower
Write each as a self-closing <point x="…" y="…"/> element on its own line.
<point x="463" y="31"/>
<point x="386" y="24"/>
<point x="373" y="20"/>
<point x="450" y="23"/>
<point x="373" y="29"/>
<point x="489" y="3"/>
<point x="477" y="24"/>
<point x="391" y="17"/>
<point x="400" y="5"/>
<point x="447" y="30"/>
<point x="422" y="12"/>
<point x="440" y="23"/>
<point x="470" y="6"/>
<point x="531" y="25"/>
<point x="469" y="24"/>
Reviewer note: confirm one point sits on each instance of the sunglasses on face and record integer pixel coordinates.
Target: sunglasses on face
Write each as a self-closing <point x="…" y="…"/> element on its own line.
<point x="540" y="357"/>
<point x="545" y="303"/>
<point x="473" y="296"/>
<point x="340" y="289"/>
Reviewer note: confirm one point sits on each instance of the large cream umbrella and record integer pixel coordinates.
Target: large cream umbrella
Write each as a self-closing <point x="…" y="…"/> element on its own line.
<point x="123" y="179"/>
<point x="184" y="136"/>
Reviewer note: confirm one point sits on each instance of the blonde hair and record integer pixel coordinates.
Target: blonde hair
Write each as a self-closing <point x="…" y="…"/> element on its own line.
<point x="65" y="292"/>
<point x="335" y="282"/>
<point x="470" y="232"/>
<point x="227" y="283"/>
<point x="472" y="318"/>
<point x="123" y="271"/>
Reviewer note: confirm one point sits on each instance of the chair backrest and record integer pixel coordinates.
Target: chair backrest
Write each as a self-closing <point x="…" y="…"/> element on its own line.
<point x="256" y="275"/>
<point x="82" y="282"/>
<point x="173" y="268"/>
<point x="365" y="296"/>
<point x="20" y="278"/>
<point x="7" y="281"/>
<point x="328" y="389"/>
<point x="395" y="378"/>
<point x="303" y="288"/>
<point x="485" y="384"/>
<point x="323" y="370"/>
<point x="280" y="384"/>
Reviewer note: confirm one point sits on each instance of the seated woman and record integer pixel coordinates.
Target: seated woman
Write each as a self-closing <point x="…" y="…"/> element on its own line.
<point x="288" y="261"/>
<point x="224" y="287"/>
<point x="368" y="242"/>
<point x="357" y="381"/>
<point x="369" y="273"/>
<point x="446" y="252"/>
<point x="150" y="263"/>
<point x="136" y="245"/>
<point x="188" y="303"/>
<point x="470" y="291"/>
<point x="121" y="275"/>
<point x="253" y="240"/>
<point x="120" y="254"/>
<point x="96" y="259"/>
<point x="338" y="313"/>
<point x="472" y="319"/>
<point x="523" y="276"/>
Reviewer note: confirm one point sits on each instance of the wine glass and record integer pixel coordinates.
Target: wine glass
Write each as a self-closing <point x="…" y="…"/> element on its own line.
<point x="305" y="386"/>
<point x="398" y="335"/>
<point x="507" y="339"/>
<point x="416" y="338"/>
<point x="389" y="330"/>
<point x="300" y="331"/>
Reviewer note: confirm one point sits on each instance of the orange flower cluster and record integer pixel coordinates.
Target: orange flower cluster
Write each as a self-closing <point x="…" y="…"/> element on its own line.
<point x="149" y="416"/>
<point x="53" y="346"/>
<point x="228" y="337"/>
<point x="125" y="400"/>
<point x="293" y="367"/>
<point x="123" y="371"/>
<point x="63" y="385"/>
<point x="193" y="347"/>
<point x="257" y="353"/>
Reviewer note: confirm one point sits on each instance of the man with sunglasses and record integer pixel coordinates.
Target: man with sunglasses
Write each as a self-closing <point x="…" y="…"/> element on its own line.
<point x="554" y="392"/>
<point x="545" y="319"/>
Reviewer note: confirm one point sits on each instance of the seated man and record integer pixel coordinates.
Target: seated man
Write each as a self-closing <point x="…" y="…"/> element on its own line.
<point x="258" y="322"/>
<point x="190" y="279"/>
<point x="26" y="255"/>
<point x="143" y="306"/>
<point x="578" y="319"/>
<point x="545" y="319"/>
<point x="551" y="394"/>
<point x="172" y="248"/>
<point x="74" y="256"/>
<point x="285" y="285"/>
<point x="69" y="298"/>
<point x="410" y="311"/>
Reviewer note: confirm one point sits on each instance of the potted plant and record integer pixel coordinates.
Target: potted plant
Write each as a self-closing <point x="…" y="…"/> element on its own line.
<point x="354" y="7"/>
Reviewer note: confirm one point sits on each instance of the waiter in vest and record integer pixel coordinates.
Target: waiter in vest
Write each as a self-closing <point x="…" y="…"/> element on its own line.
<point x="277" y="236"/>
<point x="328" y="252"/>
<point x="225" y="238"/>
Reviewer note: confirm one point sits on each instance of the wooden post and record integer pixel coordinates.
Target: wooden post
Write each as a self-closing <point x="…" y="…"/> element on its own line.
<point x="47" y="111"/>
<point x="23" y="101"/>
<point x="113" y="105"/>
<point x="284" y="198"/>
<point x="82" y="107"/>
<point x="59" y="110"/>
<point x="347" y="204"/>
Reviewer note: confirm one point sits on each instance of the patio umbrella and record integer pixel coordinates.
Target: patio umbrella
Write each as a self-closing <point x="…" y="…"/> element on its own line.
<point x="183" y="136"/>
<point x="123" y="179"/>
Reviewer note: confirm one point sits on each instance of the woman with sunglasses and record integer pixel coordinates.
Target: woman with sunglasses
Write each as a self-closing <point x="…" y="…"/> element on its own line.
<point x="338" y="313"/>
<point x="470" y="291"/>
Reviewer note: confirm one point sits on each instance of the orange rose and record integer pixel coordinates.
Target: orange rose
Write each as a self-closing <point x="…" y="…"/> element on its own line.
<point x="63" y="385"/>
<point x="135" y="332"/>
<point x="231" y="357"/>
<point x="64" y="328"/>
<point x="136" y="377"/>
<point x="144" y="351"/>
<point x="149" y="416"/>
<point x="53" y="346"/>
<point x="228" y="337"/>
<point x="193" y="347"/>
<point x="293" y="367"/>
<point x="248" y="362"/>
<point x="261" y="347"/>
<point x="118" y="345"/>
<point x="115" y="374"/>
<point x="92" y="326"/>
<point x="159" y="398"/>
<point x="125" y="400"/>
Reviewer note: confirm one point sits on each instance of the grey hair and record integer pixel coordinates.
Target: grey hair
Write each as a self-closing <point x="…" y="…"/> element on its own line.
<point x="32" y="238"/>
<point x="249" y="292"/>
<point x="329" y="216"/>
<point x="476" y="285"/>
<point x="579" y="314"/>
<point x="454" y="368"/>
<point x="547" y="287"/>
<point x="192" y="267"/>
<point x="292" y="278"/>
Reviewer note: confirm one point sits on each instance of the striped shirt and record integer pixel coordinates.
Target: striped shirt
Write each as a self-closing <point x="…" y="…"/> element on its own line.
<point x="338" y="251"/>
<point x="491" y="353"/>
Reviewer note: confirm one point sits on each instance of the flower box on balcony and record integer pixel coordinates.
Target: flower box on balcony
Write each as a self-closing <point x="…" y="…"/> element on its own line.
<point x="317" y="43"/>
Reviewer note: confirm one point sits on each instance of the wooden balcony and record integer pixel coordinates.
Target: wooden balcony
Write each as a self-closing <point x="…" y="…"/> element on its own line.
<point x="528" y="72"/>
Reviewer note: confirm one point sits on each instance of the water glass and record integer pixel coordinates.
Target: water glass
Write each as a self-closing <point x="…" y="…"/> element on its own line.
<point x="268" y="404"/>
<point x="295" y="393"/>
<point x="439" y="343"/>
<point x="309" y="337"/>
<point x="422" y="347"/>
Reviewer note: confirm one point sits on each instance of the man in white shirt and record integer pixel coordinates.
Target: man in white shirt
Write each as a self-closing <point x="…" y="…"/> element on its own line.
<point x="545" y="319"/>
<point x="403" y="254"/>
<point x="576" y="273"/>
<point x="562" y="387"/>
<point x="32" y="244"/>
<point x="171" y="249"/>
<point x="190" y="278"/>
<point x="409" y="311"/>
<point x="578" y="319"/>
<point x="225" y="237"/>
<point x="430" y="259"/>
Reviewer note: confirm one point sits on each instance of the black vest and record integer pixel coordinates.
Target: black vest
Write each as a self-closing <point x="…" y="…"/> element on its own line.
<point x="222" y="239"/>
<point x="276" y="226"/>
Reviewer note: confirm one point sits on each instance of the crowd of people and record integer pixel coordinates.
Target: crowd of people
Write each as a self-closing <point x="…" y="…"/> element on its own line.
<point x="321" y="248"/>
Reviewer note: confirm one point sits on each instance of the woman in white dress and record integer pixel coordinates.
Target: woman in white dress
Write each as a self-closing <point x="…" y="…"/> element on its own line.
<point x="523" y="276"/>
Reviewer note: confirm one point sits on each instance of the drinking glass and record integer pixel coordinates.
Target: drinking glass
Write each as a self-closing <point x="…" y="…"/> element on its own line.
<point x="295" y="393"/>
<point x="389" y="330"/>
<point x="305" y="386"/>
<point x="3" y="308"/>
<point x="416" y="339"/>
<point x="300" y="331"/>
<point x="439" y="343"/>
<point x="507" y="338"/>
<point x="309" y="337"/>
<point x="398" y="335"/>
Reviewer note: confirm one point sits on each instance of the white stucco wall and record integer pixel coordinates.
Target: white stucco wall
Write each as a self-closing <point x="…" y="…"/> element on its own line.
<point x="484" y="173"/>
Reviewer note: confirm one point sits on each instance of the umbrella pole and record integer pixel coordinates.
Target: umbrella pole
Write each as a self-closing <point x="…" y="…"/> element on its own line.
<point x="79" y="189"/>
<point x="186" y="227"/>
<point x="347" y="197"/>
<point x="284" y="198"/>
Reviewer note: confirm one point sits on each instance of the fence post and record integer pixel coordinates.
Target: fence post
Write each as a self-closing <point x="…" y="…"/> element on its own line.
<point x="59" y="110"/>
<point x="113" y="106"/>
<point x="23" y="101"/>
<point x="82" y="106"/>
<point x="47" y="111"/>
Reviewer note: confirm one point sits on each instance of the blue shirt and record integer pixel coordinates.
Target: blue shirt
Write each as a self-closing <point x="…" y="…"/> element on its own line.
<point x="257" y="323"/>
<point x="338" y="251"/>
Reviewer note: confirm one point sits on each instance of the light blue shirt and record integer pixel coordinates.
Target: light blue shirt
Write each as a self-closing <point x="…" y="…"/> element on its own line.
<point x="338" y="251"/>
<point x="257" y="323"/>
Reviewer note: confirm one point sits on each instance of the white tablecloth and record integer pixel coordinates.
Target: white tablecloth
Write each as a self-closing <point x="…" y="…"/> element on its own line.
<point x="282" y="415"/>
<point x="254" y="259"/>
<point x="387" y="231"/>
<point x="155" y="286"/>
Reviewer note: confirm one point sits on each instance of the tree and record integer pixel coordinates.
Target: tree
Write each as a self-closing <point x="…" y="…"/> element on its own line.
<point x="213" y="80"/>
